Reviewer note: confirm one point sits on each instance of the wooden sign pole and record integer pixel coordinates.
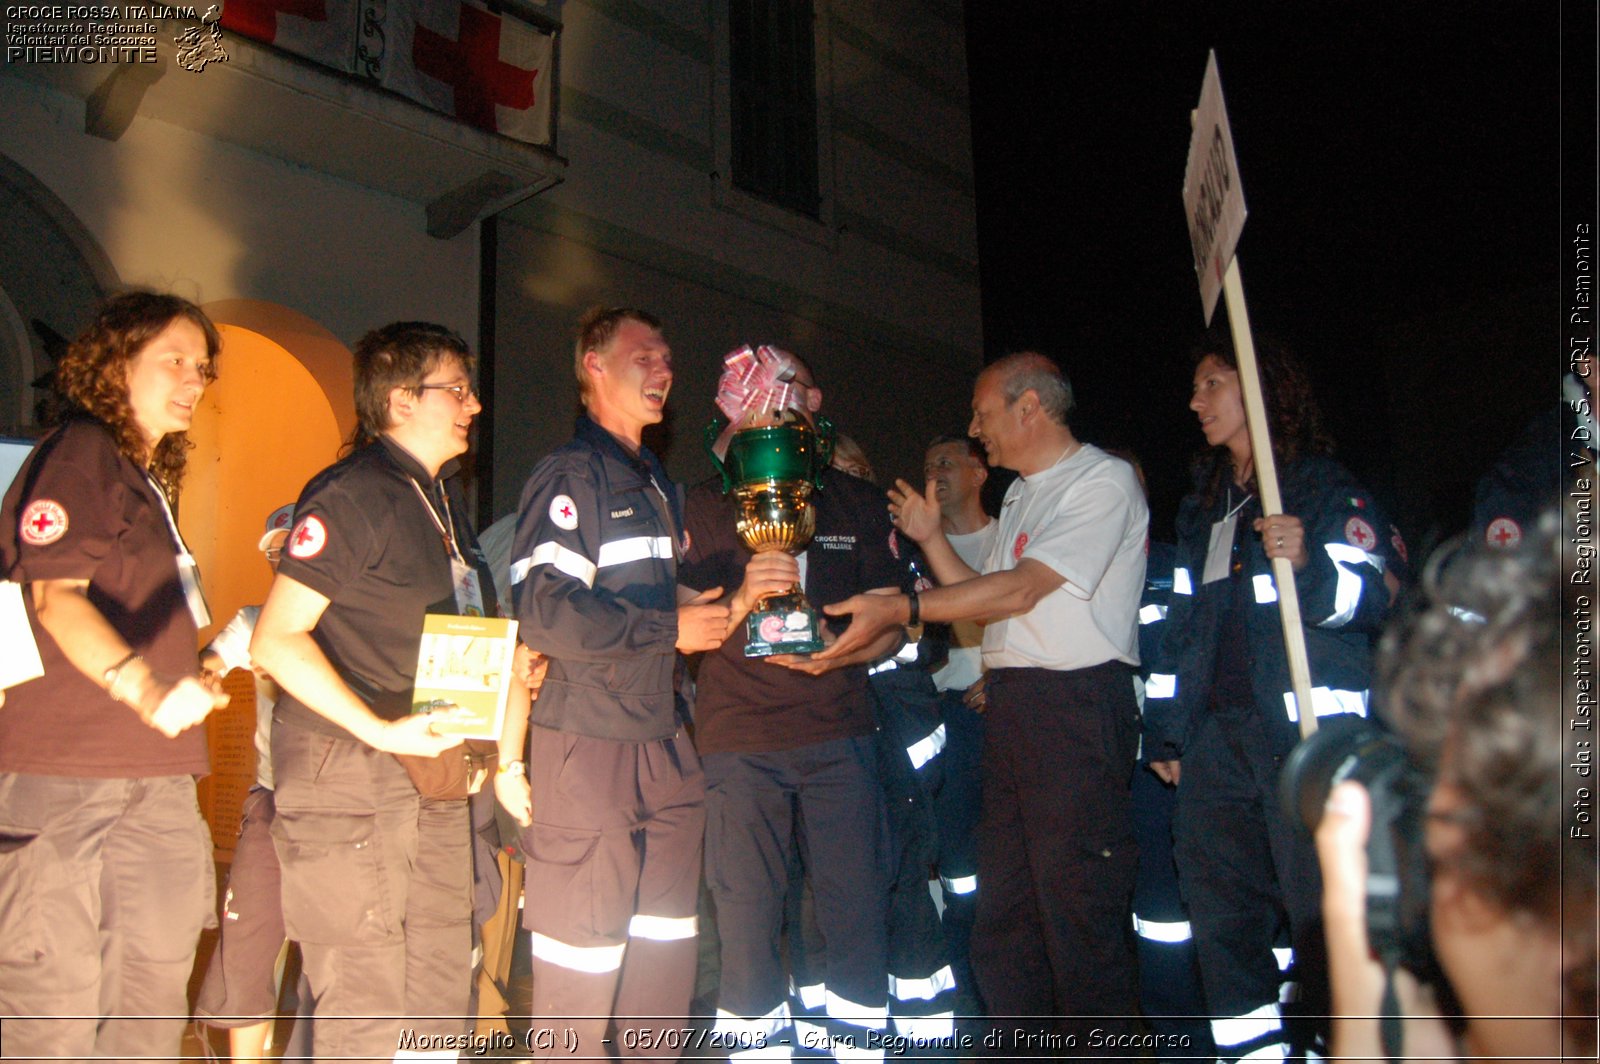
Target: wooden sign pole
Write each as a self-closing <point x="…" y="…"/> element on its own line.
<point x="1255" y="412"/>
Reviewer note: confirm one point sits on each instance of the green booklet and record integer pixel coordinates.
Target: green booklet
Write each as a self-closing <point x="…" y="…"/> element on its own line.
<point x="465" y="663"/>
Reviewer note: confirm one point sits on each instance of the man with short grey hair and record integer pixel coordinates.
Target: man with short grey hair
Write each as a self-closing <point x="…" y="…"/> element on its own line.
<point x="1059" y="591"/>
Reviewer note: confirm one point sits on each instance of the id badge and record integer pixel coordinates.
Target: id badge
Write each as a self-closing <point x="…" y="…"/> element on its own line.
<point x="469" y="589"/>
<point x="1219" y="554"/>
<point x="189" y="575"/>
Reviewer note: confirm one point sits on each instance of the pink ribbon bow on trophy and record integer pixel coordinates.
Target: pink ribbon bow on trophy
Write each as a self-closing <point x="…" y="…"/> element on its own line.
<point x="760" y="380"/>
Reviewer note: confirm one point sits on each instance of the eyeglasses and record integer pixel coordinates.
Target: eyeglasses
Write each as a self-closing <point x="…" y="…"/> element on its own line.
<point x="461" y="391"/>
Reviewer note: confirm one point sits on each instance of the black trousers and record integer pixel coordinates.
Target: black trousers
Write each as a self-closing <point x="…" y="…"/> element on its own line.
<point x="1056" y="853"/>
<point x="1251" y="884"/>
<point x="826" y="797"/>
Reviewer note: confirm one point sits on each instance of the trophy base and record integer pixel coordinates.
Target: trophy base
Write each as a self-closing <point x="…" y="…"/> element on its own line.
<point x="782" y="624"/>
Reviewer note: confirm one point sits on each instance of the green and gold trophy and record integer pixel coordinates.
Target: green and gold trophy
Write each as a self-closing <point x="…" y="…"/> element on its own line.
<point x="772" y="471"/>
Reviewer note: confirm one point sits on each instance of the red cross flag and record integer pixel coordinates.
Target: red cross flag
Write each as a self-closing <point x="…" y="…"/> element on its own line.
<point x="491" y="71"/>
<point x="321" y="30"/>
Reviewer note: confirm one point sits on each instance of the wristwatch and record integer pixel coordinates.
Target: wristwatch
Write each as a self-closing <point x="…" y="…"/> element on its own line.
<point x="519" y="766"/>
<point x="914" y="617"/>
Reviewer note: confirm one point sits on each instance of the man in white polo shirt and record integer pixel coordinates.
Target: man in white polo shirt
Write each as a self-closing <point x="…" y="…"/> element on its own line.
<point x="1059" y="589"/>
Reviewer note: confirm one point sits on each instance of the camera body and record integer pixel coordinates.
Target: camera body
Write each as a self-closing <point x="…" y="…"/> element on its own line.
<point x="1348" y="747"/>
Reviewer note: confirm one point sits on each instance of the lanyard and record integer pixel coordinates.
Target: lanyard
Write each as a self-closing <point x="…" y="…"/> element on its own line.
<point x="166" y="511"/>
<point x="446" y="526"/>
<point x="188" y="571"/>
<point x="1235" y="509"/>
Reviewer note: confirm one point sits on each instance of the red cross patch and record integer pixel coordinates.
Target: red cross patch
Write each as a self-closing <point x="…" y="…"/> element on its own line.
<point x="1019" y="546"/>
<point x="564" y="512"/>
<point x="308" y="539"/>
<point x="1503" y="533"/>
<point x="1359" y="534"/>
<point x="43" y="522"/>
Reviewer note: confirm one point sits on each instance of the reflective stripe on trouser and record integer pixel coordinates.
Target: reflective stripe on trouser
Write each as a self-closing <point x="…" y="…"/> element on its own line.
<point x="956" y="809"/>
<point x="612" y="886"/>
<point x="923" y="1009"/>
<point x="117" y="878"/>
<point x="827" y="1026"/>
<point x="1169" y="978"/>
<point x="751" y="801"/>
<point x="1249" y="880"/>
<point x="377" y="889"/>
<point x="1256" y="1035"/>
<point x="765" y="1037"/>
<point x="918" y="957"/>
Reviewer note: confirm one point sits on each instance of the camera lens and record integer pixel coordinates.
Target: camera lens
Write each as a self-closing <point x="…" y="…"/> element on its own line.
<point x="1348" y="747"/>
<point x="1343" y="747"/>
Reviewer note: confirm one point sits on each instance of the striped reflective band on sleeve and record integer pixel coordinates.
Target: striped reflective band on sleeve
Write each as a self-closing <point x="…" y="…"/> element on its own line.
<point x="958" y="884"/>
<point x="1160" y="931"/>
<point x="922" y="989"/>
<point x="926" y="748"/>
<point x="664" y="928"/>
<point x="567" y="561"/>
<point x="1265" y="590"/>
<point x="592" y="959"/>
<point x="1347" y="592"/>
<point x="1152" y="613"/>
<point x="634" y="549"/>
<point x="1161" y="685"/>
<point x="1326" y="701"/>
<point x="1182" y="583"/>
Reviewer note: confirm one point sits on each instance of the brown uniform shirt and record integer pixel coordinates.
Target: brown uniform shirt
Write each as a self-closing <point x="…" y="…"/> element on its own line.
<point x="79" y="510"/>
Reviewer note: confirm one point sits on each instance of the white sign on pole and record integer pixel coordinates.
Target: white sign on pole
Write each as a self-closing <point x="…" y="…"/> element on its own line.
<point x="1213" y="198"/>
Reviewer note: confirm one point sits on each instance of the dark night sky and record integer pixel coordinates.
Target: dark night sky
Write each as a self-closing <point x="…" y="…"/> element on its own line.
<point x="1400" y="163"/>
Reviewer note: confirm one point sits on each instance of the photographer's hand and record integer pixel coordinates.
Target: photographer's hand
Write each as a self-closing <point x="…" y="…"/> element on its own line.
<point x="1355" y="975"/>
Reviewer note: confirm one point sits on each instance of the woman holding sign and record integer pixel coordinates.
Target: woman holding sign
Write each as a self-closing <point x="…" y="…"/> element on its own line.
<point x="105" y="862"/>
<point x="1219" y="712"/>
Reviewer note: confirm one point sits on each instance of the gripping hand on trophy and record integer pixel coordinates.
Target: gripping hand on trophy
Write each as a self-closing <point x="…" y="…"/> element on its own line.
<point x="767" y="573"/>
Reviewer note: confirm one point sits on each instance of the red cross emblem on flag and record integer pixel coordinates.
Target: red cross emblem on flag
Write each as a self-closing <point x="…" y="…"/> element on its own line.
<point x="258" y="19"/>
<point x="473" y="68"/>
<point x="43" y="522"/>
<point x="1360" y="534"/>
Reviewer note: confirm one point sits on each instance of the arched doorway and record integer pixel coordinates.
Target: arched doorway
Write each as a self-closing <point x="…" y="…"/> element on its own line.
<point x="276" y="415"/>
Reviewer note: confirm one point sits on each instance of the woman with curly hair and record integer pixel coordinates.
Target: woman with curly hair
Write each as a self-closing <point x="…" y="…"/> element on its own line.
<point x="1473" y="684"/>
<point x="105" y="862"/>
<point x="1220" y="714"/>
